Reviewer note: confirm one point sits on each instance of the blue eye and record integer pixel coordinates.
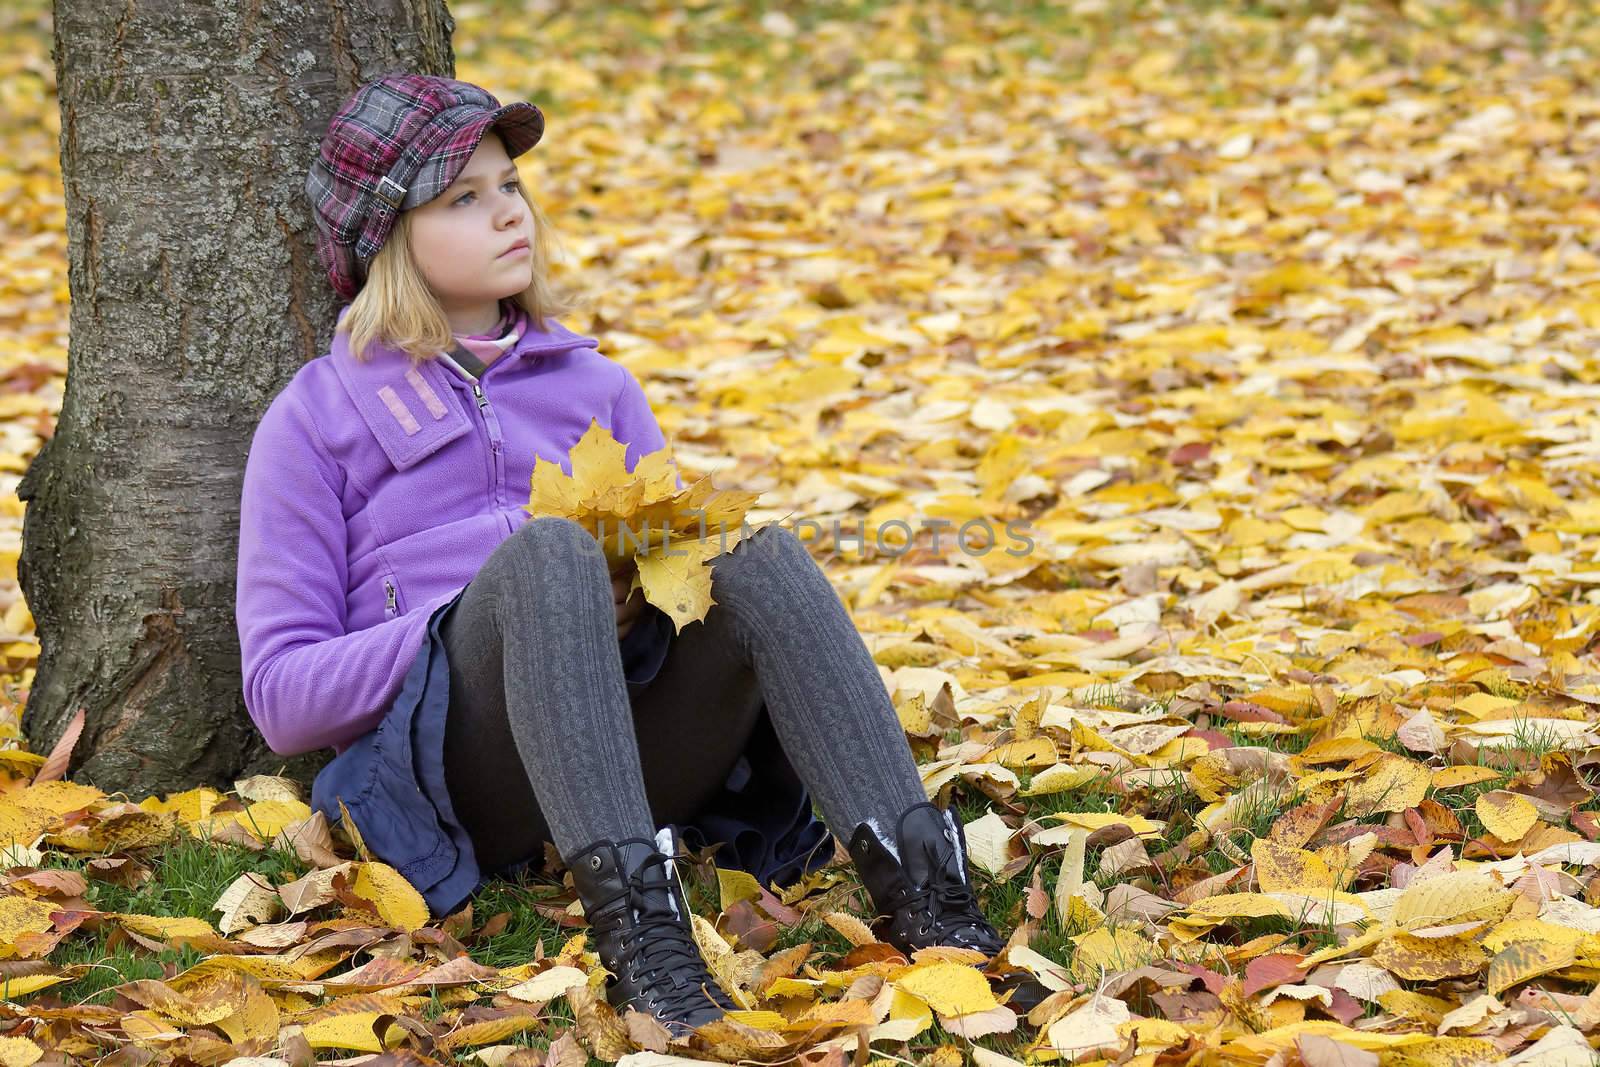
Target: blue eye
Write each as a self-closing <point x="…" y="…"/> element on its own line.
<point x="514" y="181"/>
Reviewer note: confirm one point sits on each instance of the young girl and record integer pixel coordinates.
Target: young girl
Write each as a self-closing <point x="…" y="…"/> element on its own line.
<point x="487" y="685"/>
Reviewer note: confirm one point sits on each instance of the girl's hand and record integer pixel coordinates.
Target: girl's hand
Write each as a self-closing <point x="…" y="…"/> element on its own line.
<point x="629" y="608"/>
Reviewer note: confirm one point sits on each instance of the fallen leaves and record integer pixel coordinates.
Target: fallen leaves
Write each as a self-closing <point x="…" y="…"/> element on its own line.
<point x="1292" y="692"/>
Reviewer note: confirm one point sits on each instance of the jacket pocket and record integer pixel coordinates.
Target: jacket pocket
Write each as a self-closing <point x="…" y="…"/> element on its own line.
<point x="393" y="604"/>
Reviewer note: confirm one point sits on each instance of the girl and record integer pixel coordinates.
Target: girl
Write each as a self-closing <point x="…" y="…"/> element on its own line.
<point x="487" y="685"/>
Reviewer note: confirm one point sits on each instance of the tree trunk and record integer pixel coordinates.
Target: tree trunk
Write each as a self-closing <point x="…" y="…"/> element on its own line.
<point x="186" y="133"/>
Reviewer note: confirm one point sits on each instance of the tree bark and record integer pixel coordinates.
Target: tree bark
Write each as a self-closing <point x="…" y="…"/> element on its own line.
<point x="186" y="133"/>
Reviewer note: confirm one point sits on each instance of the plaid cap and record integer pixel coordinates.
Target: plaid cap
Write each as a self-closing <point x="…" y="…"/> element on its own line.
<point x="398" y="142"/>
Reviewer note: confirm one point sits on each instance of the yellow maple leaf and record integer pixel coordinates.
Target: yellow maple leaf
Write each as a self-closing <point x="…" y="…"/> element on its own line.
<point x="669" y="533"/>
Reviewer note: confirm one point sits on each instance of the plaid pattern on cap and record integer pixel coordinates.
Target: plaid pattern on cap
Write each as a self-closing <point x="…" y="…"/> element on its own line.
<point x="398" y="142"/>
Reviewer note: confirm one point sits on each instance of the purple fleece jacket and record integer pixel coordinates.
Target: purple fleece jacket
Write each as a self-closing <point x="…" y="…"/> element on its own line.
<point x="372" y="494"/>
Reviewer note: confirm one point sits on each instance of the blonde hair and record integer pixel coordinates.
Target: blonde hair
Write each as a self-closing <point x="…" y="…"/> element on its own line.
<point x="395" y="306"/>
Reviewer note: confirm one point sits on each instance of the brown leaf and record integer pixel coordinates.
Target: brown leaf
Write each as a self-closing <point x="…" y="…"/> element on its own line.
<point x="1245" y="711"/>
<point x="598" y="1024"/>
<point x="565" y="1051"/>
<point x="646" y="1031"/>
<point x="1586" y="823"/>
<point x="1299" y="826"/>
<point x="55" y="764"/>
<point x="53" y="882"/>
<point x="755" y="931"/>
<point x="1264" y="972"/>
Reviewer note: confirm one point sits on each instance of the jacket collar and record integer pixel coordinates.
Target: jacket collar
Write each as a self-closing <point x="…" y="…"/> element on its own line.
<point x="410" y="409"/>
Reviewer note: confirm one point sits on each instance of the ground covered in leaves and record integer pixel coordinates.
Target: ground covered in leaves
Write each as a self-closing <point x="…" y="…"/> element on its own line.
<point x="1272" y="328"/>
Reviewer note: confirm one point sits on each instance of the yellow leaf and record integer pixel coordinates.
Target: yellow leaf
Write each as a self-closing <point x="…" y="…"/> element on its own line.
<point x="488" y="1031"/>
<point x="948" y="988"/>
<point x="548" y="984"/>
<point x="599" y="460"/>
<point x="190" y="806"/>
<point x="1069" y="880"/>
<point x="1524" y="960"/>
<point x="1096" y="820"/>
<point x="1060" y="778"/>
<point x="1107" y="951"/>
<point x="1455" y="897"/>
<point x="395" y="899"/>
<point x="1513" y="930"/>
<point x="129" y="829"/>
<point x="1467" y="774"/>
<point x="1481" y="705"/>
<point x="352" y="831"/>
<point x="1505" y="814"/>
<point x="1241" y="906"/>
<point x="20" y="915"/>
<point x="916" y="718"/>
<point x="552" y="492"/>
<point x="18" y="1052"/>
<point x="1035" y="752"/>
<point x="1258" y="1046"/>
<point x="58" y="797"/>
<point x="1337" y="750"/>
<point x="265" y="818"/>
<point x="792" y="987"/>
<point x="11" y="988"/>
<point x="1393" y="783"/>
<point x="256" y="1018"/>
<point x="908" y="1017"/>
<point x="677" y="581"/>
<point x="853" y="929"/>
<point x="164" y="926"/>
<point x="1283" y="868"/>
<point x="834" y="1013"/>
<point x="351" y="1031"/>
<point x="1429" y="959"/>
<point x="1451" y="1052"/>
<point x="22" y="826"/>
<point x="1418" y="1007"/>
<point x="735" y="886"/>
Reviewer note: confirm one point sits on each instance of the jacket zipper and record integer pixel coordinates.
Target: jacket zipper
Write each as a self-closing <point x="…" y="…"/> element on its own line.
<point x="491" y="427"/>
<point x="389" y="597"/>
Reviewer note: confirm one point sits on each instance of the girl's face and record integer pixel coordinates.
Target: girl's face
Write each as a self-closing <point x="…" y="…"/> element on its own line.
<point x="462" y="240"/>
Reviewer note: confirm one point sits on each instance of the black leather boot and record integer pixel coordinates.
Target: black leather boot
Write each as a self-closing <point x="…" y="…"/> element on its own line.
<point x="922" y="895"/>
<point x="636" y="906"/>
<point x="922" y="892"/>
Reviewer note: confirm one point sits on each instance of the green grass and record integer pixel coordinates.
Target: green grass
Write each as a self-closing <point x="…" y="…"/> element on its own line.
<point x="188" y="877"/>
<point x="515" y="944"/>
<point x="1289" y="744"/>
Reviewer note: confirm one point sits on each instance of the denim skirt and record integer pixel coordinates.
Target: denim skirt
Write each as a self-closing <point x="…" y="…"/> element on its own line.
<point x="392" y="783"/>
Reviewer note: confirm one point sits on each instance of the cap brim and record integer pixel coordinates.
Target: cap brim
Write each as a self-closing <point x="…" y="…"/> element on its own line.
<point x="520" y="125"/>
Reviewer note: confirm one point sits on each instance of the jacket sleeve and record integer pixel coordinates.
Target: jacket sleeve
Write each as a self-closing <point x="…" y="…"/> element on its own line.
<point x="634" y="424"/>
<point x="307" y="683"/>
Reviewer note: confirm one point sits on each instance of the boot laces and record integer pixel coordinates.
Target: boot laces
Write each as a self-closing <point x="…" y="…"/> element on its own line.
<point x="661" y="945"/>
<point x="951" y="907"/>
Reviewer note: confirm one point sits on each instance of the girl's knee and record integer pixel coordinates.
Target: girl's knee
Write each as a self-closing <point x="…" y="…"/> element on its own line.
<point x="778" y="542"/>
<point x="770" y="546"/>
<point x="550" y="536"/>
<point x="555" y="530"/>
